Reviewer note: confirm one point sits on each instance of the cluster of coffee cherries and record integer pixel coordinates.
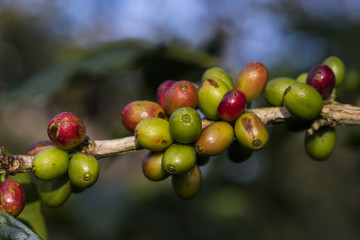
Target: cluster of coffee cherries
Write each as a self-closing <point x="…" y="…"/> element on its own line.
<point x="58" y="164"/>
<point x="178" y="137"/>
<point x="304" y="97"/>
<point x="192" y="121"/>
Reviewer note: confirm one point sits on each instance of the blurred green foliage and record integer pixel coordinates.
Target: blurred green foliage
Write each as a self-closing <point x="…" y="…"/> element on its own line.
<point x="279" y="193"/>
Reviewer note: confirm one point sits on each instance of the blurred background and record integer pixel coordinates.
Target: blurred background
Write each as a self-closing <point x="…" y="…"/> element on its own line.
<point x="94" y="57"/>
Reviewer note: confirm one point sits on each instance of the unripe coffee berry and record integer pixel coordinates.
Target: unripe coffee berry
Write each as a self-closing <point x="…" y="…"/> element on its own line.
<point x="321" y="143"/>
<point x="54" y="193"/>
<point x="251" y="132"/>
<point x="187" y="185"/>
<point x="219" y="73"/>
<point x="185" y="125"/>
<point x="83" y="170"/>
<point x="50" y="163"/>
<point x="152" y="166"/>
<point x="66" y="130"/>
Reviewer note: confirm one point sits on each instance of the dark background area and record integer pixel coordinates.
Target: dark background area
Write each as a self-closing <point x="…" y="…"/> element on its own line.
<point x="94" y="57"/>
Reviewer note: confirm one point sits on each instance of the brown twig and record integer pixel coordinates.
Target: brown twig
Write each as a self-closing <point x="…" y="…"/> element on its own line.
<point x="333" y="114"/>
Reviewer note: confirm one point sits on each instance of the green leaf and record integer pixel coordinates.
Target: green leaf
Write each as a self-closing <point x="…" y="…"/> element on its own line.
<point x="13" y="229"/>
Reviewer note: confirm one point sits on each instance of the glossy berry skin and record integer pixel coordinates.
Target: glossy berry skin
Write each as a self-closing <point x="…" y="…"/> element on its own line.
<point x="322" y="78"/>
<point x="181" y="94"/>
<point x="162" y="91"/>
<point x="232" y="105"/>
<point x="83" y="170"/>
<point x="136" y="111"/>
<point x="338" y="67"/>
<point x="66" y="130"/>
<point x="55" y="192"/>
<point x="12" y="197"/>
<point x="214" y="139"/>
<point x="50" y="163"/>
<point x="185" y="125"/>
<point x="152" y="166"/>
<point x="187" y="185"/>
<point x="252" y="80"/>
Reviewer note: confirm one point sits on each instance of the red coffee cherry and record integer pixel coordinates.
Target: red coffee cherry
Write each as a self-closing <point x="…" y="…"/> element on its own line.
<point x="232" y="105"/>
<point x="322" y="78"/>
<point x="66" y="130"/>
<point x="12" y="197"/>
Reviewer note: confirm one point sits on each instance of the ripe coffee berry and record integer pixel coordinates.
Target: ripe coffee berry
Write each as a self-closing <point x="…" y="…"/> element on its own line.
<point x="322" y="78"/>
<point x="12" y="197"/>
<point x="66" y="130"/>
<point x="232" y="105"/>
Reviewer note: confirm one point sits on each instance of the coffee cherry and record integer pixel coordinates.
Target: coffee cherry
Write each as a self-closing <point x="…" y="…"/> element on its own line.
<point x="202" y="160"/>
<point x="187" y="185"/>
<point x="211" y="92"/>
<point x="153" y="134"/>
<point x="12" y="197"/>
<point x="338" y="68"/>
<point x="181" y="94"/>
<point x="66" y="130"/>
<point x="137" y="111"/>
<point x="322" y="78"/>
<point x="38" y="146"/>
<point x="162" y="92"/>
<point x="237" y="153"/>
<point x="232" y="105"/>
<point x="50" y="163"/>
<point x="274" y="90"/>
<point x="214" y="139"/>
<point x="179" y="158"/>
<point x="252" y="80"/>
<point x="302" y="77"/>
<point x="321" y="143"/>
<point x="83" y="170"/>
<point x="219" y="73"/>
<point x="185" y="125"/>
<point x="251" y="132"/>
<point x="152" y="166"/>
<point x="303" y="101"/>
<point x="55" y="192"/>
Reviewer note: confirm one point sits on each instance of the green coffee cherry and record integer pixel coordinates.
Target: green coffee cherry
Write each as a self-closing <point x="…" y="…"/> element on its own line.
<point x="338" y="67"/>
<point x="321" y="143"/>
<point x="303" y="101"/>
<point x="179" y="158"/>
<point x="185" y="125"/>
<point x="152" y="166"/>
<point x="302" y="77"/>
<point x="219" y="73"/>
<point x="187" y="185"/>
<point x="274" y="90"/>
<point x="55" y="192"/>
<point x="50" y="163"/>
<point x="211" y="92"/>
<point x="153" y="134"/>
<point x="237" y="153"/>
<point x="83" y="170"/>
<point x="251" y="132"/>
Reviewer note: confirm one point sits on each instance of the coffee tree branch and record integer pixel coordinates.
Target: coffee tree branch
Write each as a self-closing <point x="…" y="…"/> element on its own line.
<point x="333" y="114"/>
